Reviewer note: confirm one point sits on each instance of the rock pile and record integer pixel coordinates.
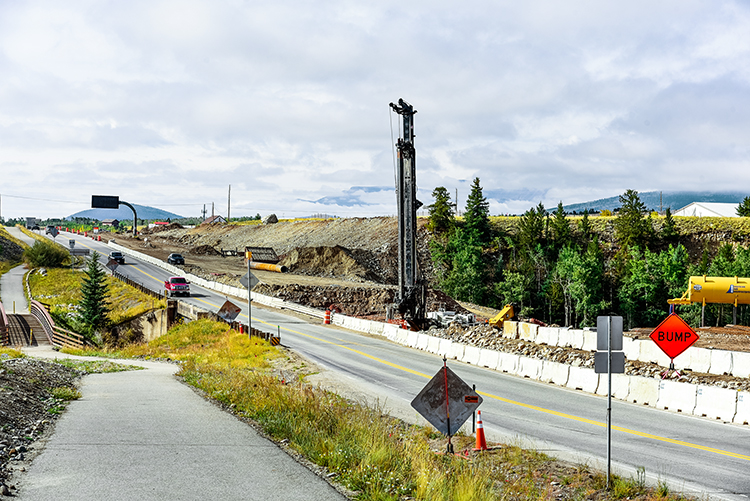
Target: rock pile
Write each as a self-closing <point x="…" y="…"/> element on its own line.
<point x="28" y="407"/>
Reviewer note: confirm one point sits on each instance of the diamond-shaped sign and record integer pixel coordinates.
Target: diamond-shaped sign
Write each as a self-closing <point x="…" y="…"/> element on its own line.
<point x="249" y="278"/>
<point x="112" y="265"/>
<point x="461" y="401"/>
<point x="229" y="311"/>
<point x="674" y="336"/>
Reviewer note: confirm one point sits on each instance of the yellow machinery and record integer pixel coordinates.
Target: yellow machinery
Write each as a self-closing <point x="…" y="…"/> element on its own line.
<point x="722" y="290"/>
<point x="506" y="313"/>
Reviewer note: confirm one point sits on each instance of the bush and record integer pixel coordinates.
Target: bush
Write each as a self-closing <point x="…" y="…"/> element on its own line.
<point x="45" y="254"/>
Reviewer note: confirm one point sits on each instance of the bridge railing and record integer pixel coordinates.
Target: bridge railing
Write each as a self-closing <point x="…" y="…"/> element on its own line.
<point x="138" y="285"/>
<point x="4" y="335"/>
<point x="57" y="336"/>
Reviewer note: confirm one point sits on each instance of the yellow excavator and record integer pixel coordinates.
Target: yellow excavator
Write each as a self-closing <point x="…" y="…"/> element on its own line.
<point x="507" y="313"/>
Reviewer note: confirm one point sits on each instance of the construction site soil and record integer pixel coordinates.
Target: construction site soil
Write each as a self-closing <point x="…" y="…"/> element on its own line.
<point x="351" y="264"/>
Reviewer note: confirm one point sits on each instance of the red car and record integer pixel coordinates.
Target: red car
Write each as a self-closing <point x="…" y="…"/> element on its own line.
<point x="177" y="286"/>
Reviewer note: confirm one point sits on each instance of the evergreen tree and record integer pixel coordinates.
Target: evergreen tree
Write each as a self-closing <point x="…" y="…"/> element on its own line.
<point x="466" y="278"/>
<point x="477" y="215"/>
<point x="584" y="226"/>
<point x="632" y="228"/>
<point x="531" y="228"/>
<point x="560" y="228"/>
<point x="669" y="230"/>
<point x="441" y="212"/>
<point x="743" y="210"/>
<point x="93" y="304"/>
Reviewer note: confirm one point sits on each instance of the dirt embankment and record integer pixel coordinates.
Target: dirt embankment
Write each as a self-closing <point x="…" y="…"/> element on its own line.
<point x="349" y="263"/>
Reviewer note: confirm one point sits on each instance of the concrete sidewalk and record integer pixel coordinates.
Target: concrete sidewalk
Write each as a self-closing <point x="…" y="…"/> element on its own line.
<point x="144" y="435"/>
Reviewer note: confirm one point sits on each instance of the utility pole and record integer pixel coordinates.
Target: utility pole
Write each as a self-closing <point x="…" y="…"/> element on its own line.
<point x="212" y="209"/>
<point x="229" y="201"/>
<point x="204" y="213"/>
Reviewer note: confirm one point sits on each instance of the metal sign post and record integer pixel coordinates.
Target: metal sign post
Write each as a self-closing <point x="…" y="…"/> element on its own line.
<point x="249" y="281"/>
<point x="609" y="337"/>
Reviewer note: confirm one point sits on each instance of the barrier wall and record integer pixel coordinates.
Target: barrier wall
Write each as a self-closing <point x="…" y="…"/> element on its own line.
<point x="709" y="401"/>
<point x="715" y="403"/>
<point x="742" y="416"/>
<point x="678" y="397"/>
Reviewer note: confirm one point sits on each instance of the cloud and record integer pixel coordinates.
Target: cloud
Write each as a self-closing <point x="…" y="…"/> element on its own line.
<point x="168" y="103"/>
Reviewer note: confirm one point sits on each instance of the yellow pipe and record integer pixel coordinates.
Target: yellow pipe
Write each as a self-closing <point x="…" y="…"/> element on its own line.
<point x="268" y="267"/>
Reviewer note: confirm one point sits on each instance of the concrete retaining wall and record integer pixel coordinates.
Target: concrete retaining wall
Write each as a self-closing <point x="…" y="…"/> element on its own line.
<point x="555" y="372"/>
<point x="678" y="397"/>
<point x="582" y="378"/>
<point x="488" y="358"/>
<point x="715" y="403"/>
<point x="644" y="390"/>
<point x="471" y="355"/>
<point x="742" y="416"/>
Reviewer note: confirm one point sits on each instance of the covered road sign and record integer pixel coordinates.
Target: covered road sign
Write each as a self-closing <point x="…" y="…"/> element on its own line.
<point x="448" y="409"/>
<point x="674" y="336"/>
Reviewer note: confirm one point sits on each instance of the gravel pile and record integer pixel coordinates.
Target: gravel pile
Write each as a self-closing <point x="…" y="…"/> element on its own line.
<point x="28" y="409"/>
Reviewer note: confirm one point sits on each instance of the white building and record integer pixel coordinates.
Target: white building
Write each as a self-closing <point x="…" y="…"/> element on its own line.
<point x="708" y="209"/>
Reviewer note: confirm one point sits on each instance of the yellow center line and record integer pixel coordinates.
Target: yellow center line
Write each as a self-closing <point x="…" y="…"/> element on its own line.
<point x="537" y="408"/>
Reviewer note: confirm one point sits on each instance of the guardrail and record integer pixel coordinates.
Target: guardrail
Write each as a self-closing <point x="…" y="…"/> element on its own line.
<point x="137" y="285"/>
<point x="4" y="335"/>
<point x="57" y="336"/>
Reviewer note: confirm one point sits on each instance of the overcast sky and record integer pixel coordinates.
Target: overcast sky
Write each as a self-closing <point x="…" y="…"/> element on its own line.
<point x="167" y="103"/>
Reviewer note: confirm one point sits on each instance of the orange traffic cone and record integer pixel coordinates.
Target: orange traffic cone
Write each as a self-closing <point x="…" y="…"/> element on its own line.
<point x="481" y="442"/>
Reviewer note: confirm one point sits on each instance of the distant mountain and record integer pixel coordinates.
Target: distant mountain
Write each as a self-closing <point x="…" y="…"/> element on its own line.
<point x="673" y="199"/>
<point x="124" y="213"/>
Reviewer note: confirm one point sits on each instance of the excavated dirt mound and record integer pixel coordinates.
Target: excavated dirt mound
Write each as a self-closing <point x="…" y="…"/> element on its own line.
<point x="326" y="261"/>
<point x="161" y="228"/>
<point x="204" y="250"/>
<point x="362" y="302"/>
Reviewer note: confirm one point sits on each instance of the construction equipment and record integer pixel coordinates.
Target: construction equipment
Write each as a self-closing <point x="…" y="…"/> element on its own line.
<point x="717" y="290"/>
<point x="721" y="290"/>
<point x="507" y="313"/>
<point x="411" y="299"/>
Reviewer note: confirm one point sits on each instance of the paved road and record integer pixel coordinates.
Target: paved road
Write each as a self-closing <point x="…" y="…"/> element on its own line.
<point x="144" y="435"/>
<point x="692" y="454"/>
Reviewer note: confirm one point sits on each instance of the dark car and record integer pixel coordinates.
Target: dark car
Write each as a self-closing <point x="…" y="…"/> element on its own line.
<point x="175" y="259"/>
<point x="117" y="256"/>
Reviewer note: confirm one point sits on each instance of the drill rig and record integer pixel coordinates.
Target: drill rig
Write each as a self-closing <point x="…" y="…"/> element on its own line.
<point x="411" y="300"/>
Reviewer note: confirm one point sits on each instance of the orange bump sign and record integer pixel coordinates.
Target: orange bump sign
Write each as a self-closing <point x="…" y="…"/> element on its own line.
<point x="674" y="336"/>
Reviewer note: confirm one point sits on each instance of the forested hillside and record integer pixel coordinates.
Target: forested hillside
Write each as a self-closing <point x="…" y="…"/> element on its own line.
<point x="568" y="270"/>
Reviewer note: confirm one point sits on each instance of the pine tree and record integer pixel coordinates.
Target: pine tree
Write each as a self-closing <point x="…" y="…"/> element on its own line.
<point x="477" y="215"/>
<point x="560" y="228"/>
<point x="743" y="210"/>
<point x="93" y="304"/>
<point x="669" y="230"/>
<point x="441" y="212"/>
<point x="632" y="228"/>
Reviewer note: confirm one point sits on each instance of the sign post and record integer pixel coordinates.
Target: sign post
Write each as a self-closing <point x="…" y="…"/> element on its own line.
<point x="249" y="281"/>
<point x="446" y="402"/>
<point x="673" y="336"/>
<point x="609" y="337"/>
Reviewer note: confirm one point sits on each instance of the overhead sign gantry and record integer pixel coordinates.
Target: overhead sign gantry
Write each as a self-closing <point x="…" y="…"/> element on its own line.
<point x="113" y="202"/>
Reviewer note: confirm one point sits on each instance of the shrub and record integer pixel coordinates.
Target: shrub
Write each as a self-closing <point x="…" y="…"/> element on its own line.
<point x="45" y="254"/>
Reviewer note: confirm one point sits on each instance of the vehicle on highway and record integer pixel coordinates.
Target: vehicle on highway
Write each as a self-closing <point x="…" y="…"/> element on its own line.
<point x="175" y="259"/>
<point x="177" y="286"/>
<point x="117" y="256"/>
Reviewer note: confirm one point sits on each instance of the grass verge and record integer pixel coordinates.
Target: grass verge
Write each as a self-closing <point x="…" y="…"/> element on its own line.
<point x="375" y="456"/>
<point x="60" y="288"/>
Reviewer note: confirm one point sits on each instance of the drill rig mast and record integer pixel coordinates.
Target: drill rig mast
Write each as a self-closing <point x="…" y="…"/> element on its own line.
<point x="411" y="301"/>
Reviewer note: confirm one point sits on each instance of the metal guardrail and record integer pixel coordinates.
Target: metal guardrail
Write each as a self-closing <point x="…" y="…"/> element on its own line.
<point x="57" y="336"/>
<point x="137" y="285"/>
<point x="4" y="335"/>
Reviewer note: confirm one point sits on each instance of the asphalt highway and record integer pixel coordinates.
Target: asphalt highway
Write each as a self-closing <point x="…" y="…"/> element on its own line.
<point x="694" y="455"/>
